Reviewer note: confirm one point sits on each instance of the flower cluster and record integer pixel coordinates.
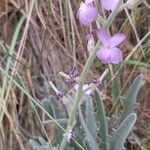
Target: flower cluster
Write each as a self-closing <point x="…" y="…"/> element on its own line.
<point x="109" y="52"/>
<point x="87" y="13"/>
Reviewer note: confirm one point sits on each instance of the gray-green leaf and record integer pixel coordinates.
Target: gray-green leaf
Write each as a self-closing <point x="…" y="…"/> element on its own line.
<point x="120" y="135"/>
<point x="131" y="97"/>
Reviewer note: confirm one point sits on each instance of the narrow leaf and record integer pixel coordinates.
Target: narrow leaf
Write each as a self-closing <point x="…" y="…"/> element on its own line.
<point x="90" y="116"/>
<point x="92" y="144"/>
<point x="131" y="97"/>
<point x="115" y="89"/>
<point x="51" y="105"/>
<point x="135" y="62"/>
<point x="120" y="135"/>
<point x="101" y="116"/>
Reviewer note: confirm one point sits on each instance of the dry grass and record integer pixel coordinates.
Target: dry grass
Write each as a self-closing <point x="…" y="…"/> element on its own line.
<point x="52" y="40"/>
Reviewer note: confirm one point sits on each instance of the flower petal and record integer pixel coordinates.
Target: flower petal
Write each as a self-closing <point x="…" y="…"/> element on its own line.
<point x="103" y="36"/>
<point x="87" y="14"/>
<point x="117" y="39"/>
<point x="82" y="7"/>
<point x="88" y="1"/>
<point x="116" y="56"/>
<point x="106" y="4"/>
<point x="109" y="4"/>
<point x="104" y="55"/>
<point x="73" y="73"/>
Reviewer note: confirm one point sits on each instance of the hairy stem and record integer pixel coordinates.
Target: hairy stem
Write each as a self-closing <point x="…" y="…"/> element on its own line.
<point x="83" y="76"/>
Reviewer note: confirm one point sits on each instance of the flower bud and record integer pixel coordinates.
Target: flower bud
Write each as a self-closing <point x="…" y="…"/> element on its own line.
<point x="90" y="42"/>
<point x="87" y="13"/>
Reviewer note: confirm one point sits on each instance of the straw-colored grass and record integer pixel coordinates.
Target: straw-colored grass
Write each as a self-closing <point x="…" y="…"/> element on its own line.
<point x="38" y="39"/>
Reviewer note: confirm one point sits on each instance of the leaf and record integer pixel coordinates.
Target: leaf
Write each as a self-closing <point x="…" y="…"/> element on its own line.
<point x="135" y="62"/>
<point x="90" y="116"/>
<point x="130" y="99"/>
<point x="115" y="89"/>
<point x="120" y="135"/>
<point x="51" y="106"/>
<point x="47" y="105"/>
<point x="91" y="141"/>
<point x="41" y="144"/>
<point x="101" y="117"/>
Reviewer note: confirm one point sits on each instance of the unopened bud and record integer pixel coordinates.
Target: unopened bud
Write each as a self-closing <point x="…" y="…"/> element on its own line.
<point x="90" y="42"/>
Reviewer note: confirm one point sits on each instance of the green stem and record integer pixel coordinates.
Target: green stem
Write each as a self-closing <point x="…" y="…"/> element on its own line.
<point x="79" y="92"/>
<point x="83" y="76"/>
<point x="111" y="69"/>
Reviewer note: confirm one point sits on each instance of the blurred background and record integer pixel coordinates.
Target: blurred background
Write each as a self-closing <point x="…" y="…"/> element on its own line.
<point x="51" y="39"/>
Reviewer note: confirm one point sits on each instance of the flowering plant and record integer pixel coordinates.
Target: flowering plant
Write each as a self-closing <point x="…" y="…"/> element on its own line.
<point x="109" y="52"/>
<point x="85" y="96"/>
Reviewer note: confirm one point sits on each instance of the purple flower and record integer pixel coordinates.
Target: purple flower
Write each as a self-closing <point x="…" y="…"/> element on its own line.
<point x="72" y="77"/>
<point x="109" y="52"/>
<point x="87" y="13"/>
<point x="59" y="95"/>
<point x="109" y="4"/>
<point x="74" y="73"/>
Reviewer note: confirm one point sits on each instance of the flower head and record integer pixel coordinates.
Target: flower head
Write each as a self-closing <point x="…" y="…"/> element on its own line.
<point x="109" y="52"/>
<point x="87" y="13"/>
<point x="74" y="73"/>
<point x="59" y="95"/>
<point x="109" y="4"/>
<point x="72" y="77"/>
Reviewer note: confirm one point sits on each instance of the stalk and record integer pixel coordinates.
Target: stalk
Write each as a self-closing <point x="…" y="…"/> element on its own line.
<point x="83" y="76"/>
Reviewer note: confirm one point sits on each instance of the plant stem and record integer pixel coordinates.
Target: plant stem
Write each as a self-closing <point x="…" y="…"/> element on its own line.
<point x="79" y="92"/>
<point x="111" y="69"/>
<point x="83" y="76"/>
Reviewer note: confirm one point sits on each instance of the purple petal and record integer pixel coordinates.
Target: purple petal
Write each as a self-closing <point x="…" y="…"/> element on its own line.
<point x="87" y="14"/>
<point x="104" y="55"/>
<point x="82" y="7"/>
<point x="109" y="4"/>
<point x="117" y="39"/>
<point x="88" y="1"/>
<point x="116" y="56"/>
<point x="103" y="36"/>
<point x="73" y="73"/>
<point x="106" y="4"/>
